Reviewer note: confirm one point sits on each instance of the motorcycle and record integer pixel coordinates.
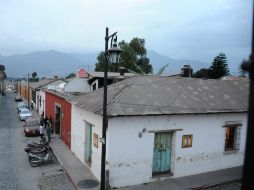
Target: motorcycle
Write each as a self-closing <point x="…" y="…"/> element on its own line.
<point x="36" y="148"/>
<point x="39" y="157"/>
<point x="40" y="144"/>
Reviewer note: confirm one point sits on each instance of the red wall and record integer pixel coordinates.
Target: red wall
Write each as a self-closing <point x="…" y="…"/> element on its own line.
<point x="50" y="101"/>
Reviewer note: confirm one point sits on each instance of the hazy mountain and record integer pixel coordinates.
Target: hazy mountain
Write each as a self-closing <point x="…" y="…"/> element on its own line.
<point x="175" y="65"/>
<point x="50" y="63"/>
<point x="46" y="63"/>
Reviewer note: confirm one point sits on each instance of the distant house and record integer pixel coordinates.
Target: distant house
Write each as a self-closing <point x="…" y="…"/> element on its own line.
<point x="81" y="73"/>
<point x="40" y="94"/>
<point x="77" y="85"/>
<point x="161" y="127"/>
<point x="96" y="79"/>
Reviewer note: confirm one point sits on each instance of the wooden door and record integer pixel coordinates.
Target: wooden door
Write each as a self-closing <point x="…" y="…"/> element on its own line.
<point x="162" y="153"/>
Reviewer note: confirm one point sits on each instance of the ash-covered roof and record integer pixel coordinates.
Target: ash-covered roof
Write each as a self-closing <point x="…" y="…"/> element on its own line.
<point x="41" y="83"/>
<point x="150" y="95"/>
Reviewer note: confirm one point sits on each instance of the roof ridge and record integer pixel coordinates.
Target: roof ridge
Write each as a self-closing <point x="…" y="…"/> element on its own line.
<point x="118" y="96"/>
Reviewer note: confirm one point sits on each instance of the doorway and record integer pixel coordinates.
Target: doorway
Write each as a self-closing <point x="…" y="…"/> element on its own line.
<point x="162" y="153"/>
<point x="88" y="143"/>
<point x="57" y="120"/>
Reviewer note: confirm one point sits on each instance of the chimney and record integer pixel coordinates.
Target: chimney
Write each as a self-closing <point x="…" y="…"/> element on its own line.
<point x="186" y="71"/>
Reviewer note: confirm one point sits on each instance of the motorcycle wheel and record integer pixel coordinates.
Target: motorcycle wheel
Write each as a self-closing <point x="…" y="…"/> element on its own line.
<point x="34" y="162"/>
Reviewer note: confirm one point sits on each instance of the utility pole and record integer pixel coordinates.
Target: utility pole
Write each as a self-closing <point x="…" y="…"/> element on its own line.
<point x="28" y="104"/>
<point x="248" y="169"/>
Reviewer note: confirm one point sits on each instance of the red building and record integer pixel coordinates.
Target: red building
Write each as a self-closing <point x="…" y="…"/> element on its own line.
<point x="81" y="73"/>
<point x="60" y="111"/>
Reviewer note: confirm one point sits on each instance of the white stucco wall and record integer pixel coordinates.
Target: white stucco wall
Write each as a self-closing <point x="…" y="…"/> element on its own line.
<point x="43" y="102"/>
<point x="77" y="85"/>
<point x="79" y="116"/>
<point x="130" y="157"/>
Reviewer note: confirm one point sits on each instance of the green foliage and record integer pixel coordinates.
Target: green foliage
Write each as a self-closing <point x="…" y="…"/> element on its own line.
<point x="71" y="75"/>
<point x="241" y="72"/>
<point x="219" y="66"/>
<point x="138" y="45"/>
<point x="2" y="67"/>
<point x="133" y="57"/>
<point x="202" y="73"/>
<point x="34" y="74"/>
<point x="34" y="77"/>
<point x="162" y="69"/>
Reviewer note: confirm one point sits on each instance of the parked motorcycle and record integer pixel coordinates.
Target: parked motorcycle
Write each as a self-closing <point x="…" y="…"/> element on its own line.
<point x="40" y="144"/>
<point x="39" y="157"/>
<point x="36" y="148"/>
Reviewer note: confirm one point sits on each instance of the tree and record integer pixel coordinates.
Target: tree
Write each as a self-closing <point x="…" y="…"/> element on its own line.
<point x="219" y="66"/>
<point x="162" y="69"/>
<point x="34" y="74"/>
<point x="133" y="57"/>
<point x="34" y="77"/>
<point x="2" y="69"/>
<point x="241" y="72"/>
<point x="71" y="75"/>
<point x="202" y="73"/>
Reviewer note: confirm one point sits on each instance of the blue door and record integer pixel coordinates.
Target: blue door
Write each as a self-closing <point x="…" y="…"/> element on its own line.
<point x="162" y="153"/>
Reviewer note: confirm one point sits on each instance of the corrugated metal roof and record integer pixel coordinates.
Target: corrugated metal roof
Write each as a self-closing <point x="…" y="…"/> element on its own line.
<point x="65" y="95"/>
<point x="40" y="83"/>
<point x="52" y="83"/>
<point x="110" y="75"/>
<point x="149" y="95"/>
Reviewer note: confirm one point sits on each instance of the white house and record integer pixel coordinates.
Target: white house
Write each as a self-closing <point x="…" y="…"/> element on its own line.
<point x="40" y="92"/>
<point x="162" y="127"/>
<point x="77" y="85"/>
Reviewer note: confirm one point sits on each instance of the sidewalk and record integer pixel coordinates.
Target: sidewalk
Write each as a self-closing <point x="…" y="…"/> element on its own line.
<point x="77" y="171"/>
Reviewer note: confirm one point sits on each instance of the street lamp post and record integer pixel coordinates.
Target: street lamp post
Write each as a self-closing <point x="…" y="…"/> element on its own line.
<point x="28" y="95"/>
<point x="111" y="54"/>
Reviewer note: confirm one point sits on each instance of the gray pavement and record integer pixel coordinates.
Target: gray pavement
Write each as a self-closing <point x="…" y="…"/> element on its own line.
<point x="73" y="166"/>
<point x="15" y="170"/>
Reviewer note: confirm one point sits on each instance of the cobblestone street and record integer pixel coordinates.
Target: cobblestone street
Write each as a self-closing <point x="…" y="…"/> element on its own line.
<point x="15" y="170"/>
<point x="54" y="178"/>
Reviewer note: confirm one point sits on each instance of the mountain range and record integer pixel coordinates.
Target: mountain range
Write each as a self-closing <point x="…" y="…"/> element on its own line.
<point x="55" y="63"/>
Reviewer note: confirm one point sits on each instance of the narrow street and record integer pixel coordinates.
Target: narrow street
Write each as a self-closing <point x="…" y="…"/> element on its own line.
<point x="15" y="170"/>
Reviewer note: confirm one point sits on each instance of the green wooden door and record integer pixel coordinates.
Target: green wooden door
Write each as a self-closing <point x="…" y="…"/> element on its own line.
<point x="88" y="142"/>
<point x="162" y="153"/>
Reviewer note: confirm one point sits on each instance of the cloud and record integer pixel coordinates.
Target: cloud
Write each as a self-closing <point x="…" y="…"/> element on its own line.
<point x="194" y="29"/>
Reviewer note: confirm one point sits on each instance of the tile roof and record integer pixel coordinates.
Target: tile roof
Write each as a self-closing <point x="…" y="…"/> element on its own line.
<point x="150" y="95"/>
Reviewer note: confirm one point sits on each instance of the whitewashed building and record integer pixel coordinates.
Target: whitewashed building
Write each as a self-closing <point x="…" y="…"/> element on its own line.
<point x="77" y="85"/>
<point x="162" y="127"/>
<point x="52" y="84"/>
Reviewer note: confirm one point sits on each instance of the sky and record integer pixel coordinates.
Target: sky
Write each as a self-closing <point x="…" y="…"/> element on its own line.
<point x="180" y="29"/>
